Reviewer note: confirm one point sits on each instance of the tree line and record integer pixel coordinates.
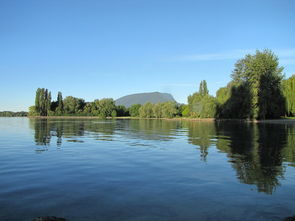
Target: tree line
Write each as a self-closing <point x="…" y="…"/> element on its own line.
<point x="257" y="90"/>
<point x="13" y="114"/>
<point x="72" y="106"/>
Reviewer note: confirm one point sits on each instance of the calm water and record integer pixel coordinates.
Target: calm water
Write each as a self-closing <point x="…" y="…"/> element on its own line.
<point x="145" y="170"/>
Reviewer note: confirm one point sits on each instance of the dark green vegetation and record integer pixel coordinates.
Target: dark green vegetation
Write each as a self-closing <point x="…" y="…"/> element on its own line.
<point x="257" y="90"/>
<point x="143" y="98"/>
<point x="71" y="106"/>
<point x="13" y="114"/>
<point x="289" y="93"/>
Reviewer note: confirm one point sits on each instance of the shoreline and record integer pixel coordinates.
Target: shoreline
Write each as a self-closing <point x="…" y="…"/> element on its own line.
<point x="273" y="121"/>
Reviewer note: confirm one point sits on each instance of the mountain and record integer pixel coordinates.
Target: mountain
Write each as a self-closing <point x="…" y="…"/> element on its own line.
<point x="142" y="98"/>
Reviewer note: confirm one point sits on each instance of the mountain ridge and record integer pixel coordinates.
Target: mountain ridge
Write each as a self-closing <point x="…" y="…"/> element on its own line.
<point x="142" y="98"/>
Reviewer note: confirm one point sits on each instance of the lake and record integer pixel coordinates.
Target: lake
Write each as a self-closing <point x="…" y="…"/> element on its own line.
<point x="147" y="170"/>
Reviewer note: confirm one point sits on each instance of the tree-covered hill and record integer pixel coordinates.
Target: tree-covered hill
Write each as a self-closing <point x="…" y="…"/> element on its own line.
<point x="13" y="114"/>
<point x="142" y="98"/>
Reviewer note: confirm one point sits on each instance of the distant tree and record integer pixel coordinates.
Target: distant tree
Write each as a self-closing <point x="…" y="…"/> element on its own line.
<point x="134" y="110"/>
<point x="121" y="111"/>
<point x="168" y="109"/>
<point x="33" y="111"/>
<point x="13" y="114"/>
<point x="201" y="104"/>
<point x="89" y="109"/>
<point x="203" y="90"/>
<point x="289" y="93"/>
<point x="157" y="110"/>
<point x="146" y="110"/>
<point x="73" y="105"/>
<point x="38" y="102"/>
<point x="60" y="105"/>
<point x="42" y="102"/>
<point x="185" y="111"/>
<point x="105" y="107"/>
<point x="114" y="113"/>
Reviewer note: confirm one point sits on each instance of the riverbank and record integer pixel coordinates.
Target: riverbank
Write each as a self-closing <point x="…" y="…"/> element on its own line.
<point x="273" y="121"/>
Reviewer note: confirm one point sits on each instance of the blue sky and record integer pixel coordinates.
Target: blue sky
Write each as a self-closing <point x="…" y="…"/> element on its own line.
<point x="96" y="49"/>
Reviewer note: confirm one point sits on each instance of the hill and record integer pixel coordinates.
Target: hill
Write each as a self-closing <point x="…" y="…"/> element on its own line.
<point x="142" y="98"/>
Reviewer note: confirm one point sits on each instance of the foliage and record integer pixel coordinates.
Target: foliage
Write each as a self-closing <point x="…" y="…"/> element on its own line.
<point x="289" y="93"/>
<point x="255" y="92"/>
<point x="122" y="111"/>
<point x="159" y="110"/>
<point x="201" y="104"/>
<point x="13" y="114"/>
<point x="134" y="110"/>
<point x="146" y="110"/>
<point x="184" y="111"/>
<point x="234" y="102"/>
<point x="42" y="102"/>
<point x="73" y="105"/>
<point x="60" y="104"/>
<point x="262" y="75"/>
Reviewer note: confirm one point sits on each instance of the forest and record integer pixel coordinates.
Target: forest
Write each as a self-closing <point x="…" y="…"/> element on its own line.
<point x="13" y="114"/>
<point x="257" y="90"/>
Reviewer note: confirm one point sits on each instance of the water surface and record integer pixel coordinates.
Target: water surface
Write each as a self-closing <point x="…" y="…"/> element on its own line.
<point x="86" y="169"/>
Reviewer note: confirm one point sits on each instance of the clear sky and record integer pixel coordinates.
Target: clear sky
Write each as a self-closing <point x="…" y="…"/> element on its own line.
<point x="94" y="49"/>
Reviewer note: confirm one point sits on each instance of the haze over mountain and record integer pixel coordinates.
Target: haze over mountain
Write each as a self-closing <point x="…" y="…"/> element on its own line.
<point x="142" y="98"/>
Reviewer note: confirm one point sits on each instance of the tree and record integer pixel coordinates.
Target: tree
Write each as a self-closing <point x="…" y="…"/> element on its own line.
<point x="146" y="110"/>
<point x="73" y="105"/>
<point x="289" y="93"/>
<point x="203" y="90"/>
<point x="60" y="105"/>
<point x="168" y="109"/>
<point x="105" y="107"/>
<point x="33" y="111"/>
<point x="158" y="110"/>
<point x="134" y="110"/>
<point x="42" y="102"/>
<point x="184" y="110"/>
<point x="263" y="75"/>
<point x="201" y="104"/>
<point x="121" y="111"/>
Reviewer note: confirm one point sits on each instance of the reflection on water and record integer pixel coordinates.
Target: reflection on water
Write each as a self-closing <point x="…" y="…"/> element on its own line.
<point x="90" y="169"/>
<point x="256" y="151"/>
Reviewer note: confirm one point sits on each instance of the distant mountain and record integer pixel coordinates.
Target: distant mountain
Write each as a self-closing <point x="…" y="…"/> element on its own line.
<point x="142" y="98"/>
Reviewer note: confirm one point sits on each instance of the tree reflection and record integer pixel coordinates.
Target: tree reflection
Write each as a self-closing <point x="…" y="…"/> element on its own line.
<point x="201" y="134"/>
<point x="46" y="129"/>
<point x="255" y="151"/>
<point x="259" y="153"/>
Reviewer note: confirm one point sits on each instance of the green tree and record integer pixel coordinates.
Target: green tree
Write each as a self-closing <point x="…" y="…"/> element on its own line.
<point x="263" y="75"/>
<point x="185" y="111"/>
<point x="42" y="102"/>
<point x="73" y="105"/>
<point x="146" y="110"/>
<point x="33" y="111"/>
<point x="201" y="104"/>
<point x="157" y="110"/>
<point x="105" y="107"/>
<point x="60" y="105"/>
<point x="203" y="90"/>
<point x="121" y="111"/>
<point x="134" y="110"/>
<point x="289" y="93"/>
<point x="169" y="109"/>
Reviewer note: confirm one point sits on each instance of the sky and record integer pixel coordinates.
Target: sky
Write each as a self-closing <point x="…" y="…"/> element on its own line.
<point x="95" y="49"/>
